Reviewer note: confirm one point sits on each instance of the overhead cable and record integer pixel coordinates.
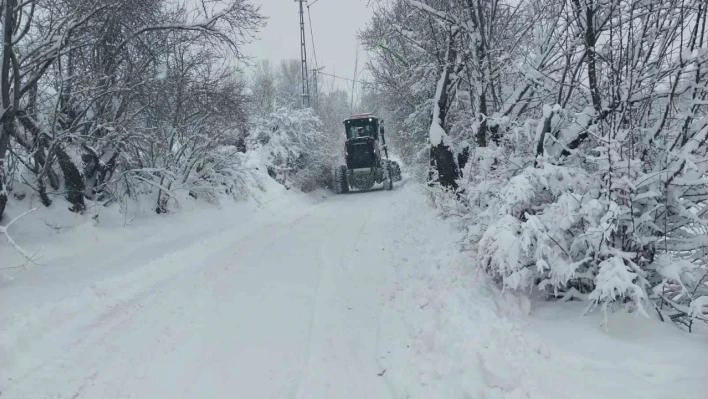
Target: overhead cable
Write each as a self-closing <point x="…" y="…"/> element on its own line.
<point x="312" y="36"/>
<point x="342" y="78"/>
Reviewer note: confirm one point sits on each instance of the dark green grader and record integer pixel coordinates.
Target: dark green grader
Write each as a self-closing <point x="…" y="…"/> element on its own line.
<point x="366" y="155"/>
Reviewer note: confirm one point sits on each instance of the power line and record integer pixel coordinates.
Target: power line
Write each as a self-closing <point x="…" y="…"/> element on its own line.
<point x="317" y="69"/>
<point x="314" y="55"/>
<point x="312" y="35"/>
<point x="342" y="78"/>
<point x="356" y="65"/>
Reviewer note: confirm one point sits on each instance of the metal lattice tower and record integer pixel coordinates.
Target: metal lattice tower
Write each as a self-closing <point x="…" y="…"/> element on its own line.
<point x="303" y="59"/>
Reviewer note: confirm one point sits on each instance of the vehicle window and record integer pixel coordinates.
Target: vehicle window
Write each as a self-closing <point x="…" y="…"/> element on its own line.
<point x="361" y="128"/>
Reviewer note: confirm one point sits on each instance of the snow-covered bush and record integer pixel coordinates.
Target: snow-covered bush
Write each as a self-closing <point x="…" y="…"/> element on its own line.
<point x="295" y="148"/>
<point x="579" y="146"/>
<point x="584" y="233"/>
<point x="603" y="226"/>
<point x="115" y="99"/>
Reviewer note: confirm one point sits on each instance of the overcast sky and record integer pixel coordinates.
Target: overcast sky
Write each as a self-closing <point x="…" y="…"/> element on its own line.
<point x="335" y="24"/>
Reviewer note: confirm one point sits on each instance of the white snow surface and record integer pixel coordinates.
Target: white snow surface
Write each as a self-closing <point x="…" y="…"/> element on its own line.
<point x="363" y="295"/>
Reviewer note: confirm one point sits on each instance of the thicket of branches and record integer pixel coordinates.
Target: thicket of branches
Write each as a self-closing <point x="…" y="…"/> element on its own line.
<point x="573" y="133"/>
<point x="108" y="99"/>
<point x="301" y="146"/>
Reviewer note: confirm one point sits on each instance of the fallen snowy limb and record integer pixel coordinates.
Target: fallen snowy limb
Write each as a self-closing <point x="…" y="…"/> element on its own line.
<point x="692" y="312"/>
<point x="4" y="230"/>
<point x="161" y="187"/>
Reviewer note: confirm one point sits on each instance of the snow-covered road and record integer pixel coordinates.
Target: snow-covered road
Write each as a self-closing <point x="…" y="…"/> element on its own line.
<point x="356" y="296"/>
<point x="290" y="310"/>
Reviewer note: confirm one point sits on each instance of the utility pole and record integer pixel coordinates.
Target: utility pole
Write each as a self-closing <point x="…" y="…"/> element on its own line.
<point x="316" y="101"/>
<point x="316" y="86"/>
<point x="303" y="58"/>
<point x="356" y="67"/>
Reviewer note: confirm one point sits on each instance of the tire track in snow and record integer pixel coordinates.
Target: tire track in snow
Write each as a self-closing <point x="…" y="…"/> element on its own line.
<point x="298" y="393"/>
<point x="344" y="337"/>
<point x="235" y="312"/>
<point x="117" y="310"/>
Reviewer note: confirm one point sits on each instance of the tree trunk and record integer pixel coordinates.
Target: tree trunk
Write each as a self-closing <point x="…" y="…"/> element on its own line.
<point x="8" y="15"/>
<point x="442" y="158"/>
<point x="589" y="40"/>
<point x="591" y="59"/>
<point x="462" y="158"/>
<point x="4" y="141"/>
<point x="477" y="16"/>
<point x="73" y="181"/>
<point x="482" y="130"/>
<point x="443" y="161"/>
<point x="542" y="137"/>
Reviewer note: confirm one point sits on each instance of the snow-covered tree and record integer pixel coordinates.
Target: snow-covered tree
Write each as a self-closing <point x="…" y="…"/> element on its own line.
<point x="296" y="149"/>
<point x="81" y="112"/>
<point x="580" y="129"/>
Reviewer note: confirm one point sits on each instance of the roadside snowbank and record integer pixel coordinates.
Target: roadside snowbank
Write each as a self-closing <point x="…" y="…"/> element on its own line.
<point x="106" y="257"/>
<point x="469" y="340"/>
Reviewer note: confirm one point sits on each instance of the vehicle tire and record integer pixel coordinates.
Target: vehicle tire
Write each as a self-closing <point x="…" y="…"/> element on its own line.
<point x="388" y="175"/>
<point x="335" y="181"/>
<point x="341" y="183"/>
<point x="396" y="170"/>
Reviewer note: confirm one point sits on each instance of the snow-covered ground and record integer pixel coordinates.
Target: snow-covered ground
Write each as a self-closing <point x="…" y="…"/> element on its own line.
<point x="292" y="296"/>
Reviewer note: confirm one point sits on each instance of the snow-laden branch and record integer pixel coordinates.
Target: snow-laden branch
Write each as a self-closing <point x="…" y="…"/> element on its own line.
<point x="437" y="134"/>
<point x="4" y="231"/>
<point x="208" y="26"/>
<point x="438" y="14"/>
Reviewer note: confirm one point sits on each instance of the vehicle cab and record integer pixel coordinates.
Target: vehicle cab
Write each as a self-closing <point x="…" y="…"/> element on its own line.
<point x="362" y="145"/>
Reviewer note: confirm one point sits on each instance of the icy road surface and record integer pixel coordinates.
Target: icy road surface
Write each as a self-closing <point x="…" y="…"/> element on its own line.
<point x="357" y="296"/>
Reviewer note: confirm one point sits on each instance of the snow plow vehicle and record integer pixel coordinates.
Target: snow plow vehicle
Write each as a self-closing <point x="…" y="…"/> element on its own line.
<point x="366" y="155"/>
